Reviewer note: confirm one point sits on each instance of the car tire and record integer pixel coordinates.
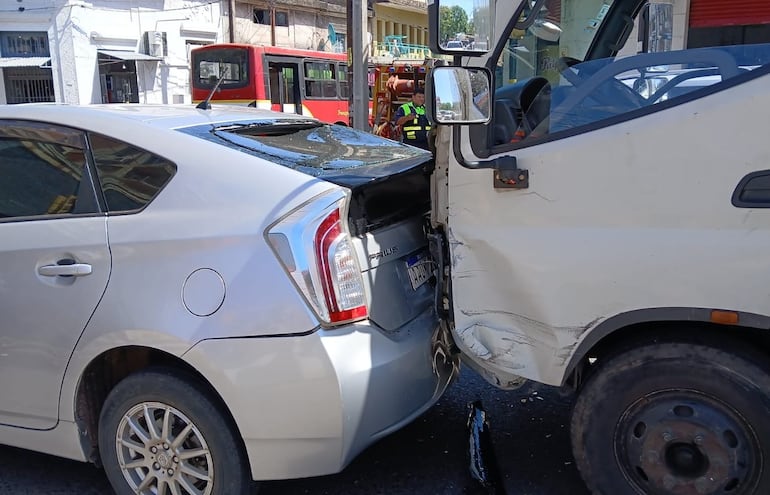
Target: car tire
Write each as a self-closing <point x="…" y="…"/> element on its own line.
<point x="159" y="428"/>
<point x="674" y="418"/>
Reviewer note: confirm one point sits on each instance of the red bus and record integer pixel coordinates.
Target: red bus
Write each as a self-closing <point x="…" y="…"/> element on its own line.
<point x="289" y="80"/>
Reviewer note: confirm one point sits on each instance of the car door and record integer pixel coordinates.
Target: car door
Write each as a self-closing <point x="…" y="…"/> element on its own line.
<point x="588" y="201"/>
<point x="54" y="265"/>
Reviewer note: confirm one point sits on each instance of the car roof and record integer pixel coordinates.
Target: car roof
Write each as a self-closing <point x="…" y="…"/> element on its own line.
<point x="162" y="116"/>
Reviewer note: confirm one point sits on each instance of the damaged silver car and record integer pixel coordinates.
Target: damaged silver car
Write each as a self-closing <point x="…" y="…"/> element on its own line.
<point x="196" y="299"/>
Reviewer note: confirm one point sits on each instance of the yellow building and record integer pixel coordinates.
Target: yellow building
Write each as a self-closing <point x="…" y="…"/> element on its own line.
<point x="400" y="29"/>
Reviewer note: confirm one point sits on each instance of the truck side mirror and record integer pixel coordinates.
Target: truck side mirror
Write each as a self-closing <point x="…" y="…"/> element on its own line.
<point x="460" y="27"/>
<point x="460" y="95"/>
<point x="656" y="26"/>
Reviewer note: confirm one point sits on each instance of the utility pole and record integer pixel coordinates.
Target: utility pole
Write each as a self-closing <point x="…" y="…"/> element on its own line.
<point x="358" y="63"/>
<point x="231" y="19"/>
<point x="272" y="22"/>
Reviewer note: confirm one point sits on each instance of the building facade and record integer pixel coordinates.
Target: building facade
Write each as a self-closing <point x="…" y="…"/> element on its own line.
<point x="303" y="24"/>
<point x="94" y="51"/>
<point x="395" y="26"/>
<point x="101" y="51"/>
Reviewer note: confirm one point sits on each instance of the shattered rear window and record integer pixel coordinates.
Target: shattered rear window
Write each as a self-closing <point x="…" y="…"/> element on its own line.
<point x="307" y="145"/>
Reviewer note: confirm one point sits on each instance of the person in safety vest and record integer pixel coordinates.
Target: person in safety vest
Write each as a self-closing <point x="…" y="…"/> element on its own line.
<point x="413" y="121"/>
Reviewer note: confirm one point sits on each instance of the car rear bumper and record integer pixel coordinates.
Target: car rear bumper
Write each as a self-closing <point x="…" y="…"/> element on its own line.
<point x="307" y="405"/>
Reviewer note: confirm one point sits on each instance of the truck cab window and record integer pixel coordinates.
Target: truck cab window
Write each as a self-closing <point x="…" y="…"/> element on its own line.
<point x="548" y="84"/>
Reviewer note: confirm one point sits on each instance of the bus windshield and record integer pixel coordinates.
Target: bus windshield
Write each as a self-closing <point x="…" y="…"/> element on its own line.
<point x="209" y="65"/>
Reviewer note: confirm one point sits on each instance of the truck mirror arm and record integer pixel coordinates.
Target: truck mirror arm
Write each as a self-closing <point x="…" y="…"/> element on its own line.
<point x="506" y="173"/>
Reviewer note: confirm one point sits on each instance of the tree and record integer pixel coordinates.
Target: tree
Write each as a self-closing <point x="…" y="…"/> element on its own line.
<point x="452" y="20"/>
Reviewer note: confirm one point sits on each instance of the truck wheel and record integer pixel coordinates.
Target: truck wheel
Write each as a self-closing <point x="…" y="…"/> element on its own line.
<point x="160" y="434"/>
<point x="674" y="418"/>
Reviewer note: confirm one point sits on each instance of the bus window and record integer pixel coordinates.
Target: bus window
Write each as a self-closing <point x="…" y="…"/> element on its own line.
<point x="343" y="79"/>
<point x="320" y="80"/>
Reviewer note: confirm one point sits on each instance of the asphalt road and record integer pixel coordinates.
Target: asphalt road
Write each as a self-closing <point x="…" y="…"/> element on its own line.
<point x="529" y="431"/>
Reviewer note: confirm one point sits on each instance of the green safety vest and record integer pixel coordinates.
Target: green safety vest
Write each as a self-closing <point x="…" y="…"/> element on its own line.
<point x="418" y="129"/>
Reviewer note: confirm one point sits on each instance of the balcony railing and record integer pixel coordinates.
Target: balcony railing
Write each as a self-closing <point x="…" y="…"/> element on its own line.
<point x="401" y="51"/>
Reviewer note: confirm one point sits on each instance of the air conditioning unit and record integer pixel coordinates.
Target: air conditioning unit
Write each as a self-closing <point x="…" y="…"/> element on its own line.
<point x="155" y="44"/>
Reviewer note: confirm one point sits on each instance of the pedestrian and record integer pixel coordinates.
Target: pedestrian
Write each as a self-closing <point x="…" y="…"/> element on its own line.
<point x="413" y="121"/>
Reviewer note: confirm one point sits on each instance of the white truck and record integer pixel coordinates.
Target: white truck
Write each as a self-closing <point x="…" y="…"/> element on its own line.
<point x="600" y="210"/>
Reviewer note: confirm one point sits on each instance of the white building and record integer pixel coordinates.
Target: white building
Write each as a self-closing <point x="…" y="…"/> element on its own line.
<point x="94" y="51"/>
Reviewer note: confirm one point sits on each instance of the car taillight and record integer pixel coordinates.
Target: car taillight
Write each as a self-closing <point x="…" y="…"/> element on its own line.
<point x="314" y="246"/>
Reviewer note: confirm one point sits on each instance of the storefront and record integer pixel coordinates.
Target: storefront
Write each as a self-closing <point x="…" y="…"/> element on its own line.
<point x="118" y="72"/>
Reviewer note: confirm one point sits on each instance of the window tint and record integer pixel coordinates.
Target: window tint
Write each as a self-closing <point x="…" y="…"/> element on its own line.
<point x="130" y="177"/>
<point x="41" y="170"/>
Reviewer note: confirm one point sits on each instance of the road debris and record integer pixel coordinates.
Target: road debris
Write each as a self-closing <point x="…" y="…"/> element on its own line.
<point x="483" y="462"/>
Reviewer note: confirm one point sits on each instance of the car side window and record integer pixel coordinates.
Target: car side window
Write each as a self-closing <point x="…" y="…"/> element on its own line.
<point x="130" y="177"/>
<point x="42" y="170"/>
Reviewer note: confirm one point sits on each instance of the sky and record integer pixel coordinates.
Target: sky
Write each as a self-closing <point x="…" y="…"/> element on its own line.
<point x="463" y="3"/>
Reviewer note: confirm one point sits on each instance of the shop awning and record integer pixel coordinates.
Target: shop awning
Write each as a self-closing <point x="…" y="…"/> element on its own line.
<point x="6" y="62"/>
<point x="126" y="55"/>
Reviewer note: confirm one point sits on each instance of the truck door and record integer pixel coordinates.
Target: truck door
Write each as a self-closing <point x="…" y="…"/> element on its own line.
<point x="590" y="195"/>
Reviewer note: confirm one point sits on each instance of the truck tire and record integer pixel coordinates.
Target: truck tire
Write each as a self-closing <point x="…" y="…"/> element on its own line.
<point x="675" y="418"/>
<point x="160" y="432"/>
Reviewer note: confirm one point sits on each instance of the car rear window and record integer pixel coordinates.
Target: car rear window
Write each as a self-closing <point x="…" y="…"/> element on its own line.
<point x="307" y="145"/>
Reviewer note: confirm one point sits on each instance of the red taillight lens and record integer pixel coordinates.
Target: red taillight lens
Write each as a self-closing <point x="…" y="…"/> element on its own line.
<point x="315" y="248"/>
<point x="341" y="278"/>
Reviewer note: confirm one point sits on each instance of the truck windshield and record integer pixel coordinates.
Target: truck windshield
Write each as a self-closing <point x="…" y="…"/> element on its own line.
<point x="558" y="29"/>
<point x="550" y="77"/>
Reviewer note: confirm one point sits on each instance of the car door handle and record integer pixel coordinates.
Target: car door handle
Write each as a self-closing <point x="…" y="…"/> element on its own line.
<point x="753" y="191"/>
<point x="65" y="268"/>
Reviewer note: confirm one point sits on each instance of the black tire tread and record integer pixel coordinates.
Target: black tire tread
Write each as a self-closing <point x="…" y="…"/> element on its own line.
<point x="611" y="377"/>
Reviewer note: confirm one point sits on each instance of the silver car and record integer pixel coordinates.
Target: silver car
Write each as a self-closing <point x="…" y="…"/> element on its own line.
<point x="196" y="299"/>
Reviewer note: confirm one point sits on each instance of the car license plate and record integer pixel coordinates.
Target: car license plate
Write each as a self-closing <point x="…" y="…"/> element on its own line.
<point x="419" y="268"/>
